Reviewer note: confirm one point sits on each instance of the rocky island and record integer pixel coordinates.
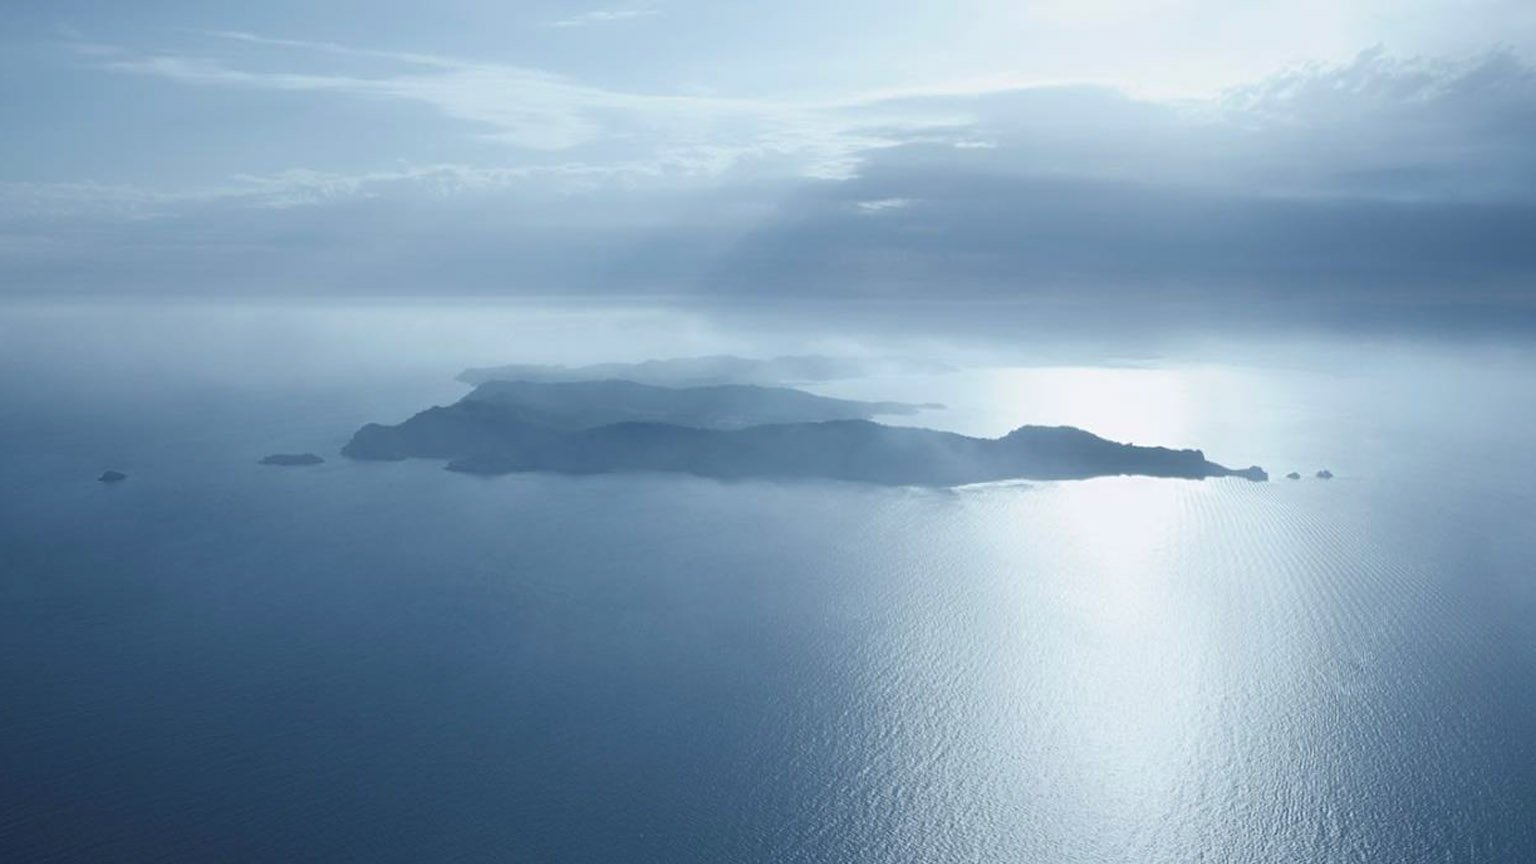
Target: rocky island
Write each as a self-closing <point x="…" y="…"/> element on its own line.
<point x="291" y="459"/>
<point x="485" y="435"/>
<point x="552" y="418"/>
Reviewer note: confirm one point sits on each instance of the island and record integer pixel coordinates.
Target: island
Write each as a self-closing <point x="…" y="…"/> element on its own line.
<point x="110" y="476"/>
<point x="480" y="438"/>
<point x="1324" y="474"/>
<point x="717" y="369"/>
<point x="291" y="459"/>
<point x="1293" y="476"/>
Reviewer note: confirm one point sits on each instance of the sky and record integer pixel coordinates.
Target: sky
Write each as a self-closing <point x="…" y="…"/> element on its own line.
<point x="1367" y="157"/>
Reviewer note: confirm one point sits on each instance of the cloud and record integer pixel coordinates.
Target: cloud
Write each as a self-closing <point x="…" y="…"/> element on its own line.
<point x="1380" y="184"/>
<point x="882" y="205"/>
<point x="1377" y="127"/>
<point x="531" y="109"/>
<point x="603" y="16"/>
<point x="1383" y="187"/>
<point x="301" y="188"/>
<point x="528" y="108"/>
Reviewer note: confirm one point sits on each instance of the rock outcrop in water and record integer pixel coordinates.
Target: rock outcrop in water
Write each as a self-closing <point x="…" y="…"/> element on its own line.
<point x="291" y="459"/>
<point x="1325" y="474"/>
<point x="481" y="438"/>
<point x="112" y="477"/>
<point x="1293" y="476"/>
<point x="702" y="371"/>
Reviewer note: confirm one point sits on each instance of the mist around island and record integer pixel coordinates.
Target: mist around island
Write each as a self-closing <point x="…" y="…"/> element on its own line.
<point x="681" y="431"/>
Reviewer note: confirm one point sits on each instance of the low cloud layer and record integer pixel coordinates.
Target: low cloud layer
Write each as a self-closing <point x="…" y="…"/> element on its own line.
<point x="1384" y="183"/>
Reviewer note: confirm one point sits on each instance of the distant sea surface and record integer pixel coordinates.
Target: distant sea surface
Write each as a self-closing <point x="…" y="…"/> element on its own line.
<point x="222" y="661"/>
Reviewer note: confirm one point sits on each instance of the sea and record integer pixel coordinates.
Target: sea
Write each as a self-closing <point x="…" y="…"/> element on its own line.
<point x="216" y="660"/>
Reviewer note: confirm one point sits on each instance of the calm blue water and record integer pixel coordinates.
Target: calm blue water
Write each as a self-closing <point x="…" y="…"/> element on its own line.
<point x="223" y="661"/>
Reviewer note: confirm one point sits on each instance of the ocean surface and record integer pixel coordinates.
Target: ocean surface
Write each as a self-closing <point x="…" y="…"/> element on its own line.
<point x="221" y="661"/>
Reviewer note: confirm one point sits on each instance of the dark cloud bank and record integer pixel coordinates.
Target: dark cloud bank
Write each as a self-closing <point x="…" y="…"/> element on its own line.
<point x="1392" y="192"/>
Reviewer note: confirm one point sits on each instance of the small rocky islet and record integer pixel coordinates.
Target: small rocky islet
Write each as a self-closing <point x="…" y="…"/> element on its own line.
<point x="291" y="459"/>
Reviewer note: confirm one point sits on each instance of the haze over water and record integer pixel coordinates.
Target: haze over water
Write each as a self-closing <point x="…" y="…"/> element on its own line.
<point x="1294" y="234"/>
<point x="217" y="660"/>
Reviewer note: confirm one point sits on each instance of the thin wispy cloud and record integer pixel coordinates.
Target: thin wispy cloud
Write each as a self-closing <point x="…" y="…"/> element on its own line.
<point x="604" y="16"/>
<point x="297" y="187"/>
<point x="1307" y="131"/>
<point x="537" y="110"/>
<point x="882" y="205"/>
<point x="410" y="57"/>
